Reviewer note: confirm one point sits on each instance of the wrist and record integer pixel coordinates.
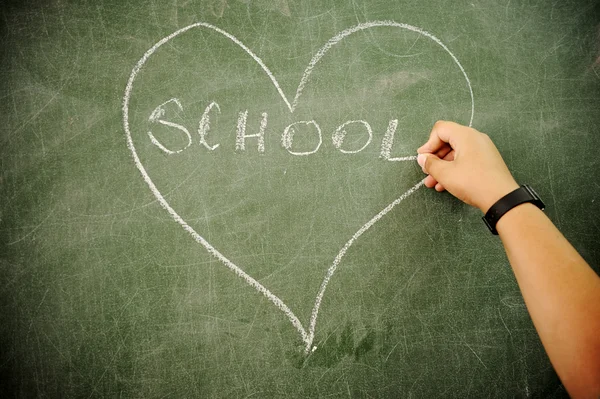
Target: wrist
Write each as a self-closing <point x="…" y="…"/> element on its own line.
<point x="521" y="195"/>
<point x="518" y="215"/>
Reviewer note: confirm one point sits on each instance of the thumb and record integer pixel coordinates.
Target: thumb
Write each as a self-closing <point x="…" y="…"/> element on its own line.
<point x="432" y="165"/>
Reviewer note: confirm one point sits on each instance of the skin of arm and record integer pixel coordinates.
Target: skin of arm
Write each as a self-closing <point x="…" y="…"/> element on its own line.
<point x="561" y="291"/>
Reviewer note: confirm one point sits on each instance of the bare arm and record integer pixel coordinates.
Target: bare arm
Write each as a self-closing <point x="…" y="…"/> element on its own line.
<point x="562" y="294"/>
<point x="561" y="291"/>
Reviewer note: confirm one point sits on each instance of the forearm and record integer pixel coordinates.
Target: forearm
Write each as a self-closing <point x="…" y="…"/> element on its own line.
<point x="562" y="294"/>
<point x="561" y="291"/>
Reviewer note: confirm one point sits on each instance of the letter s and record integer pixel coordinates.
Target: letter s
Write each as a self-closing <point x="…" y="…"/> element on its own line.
<point x="155" y="117"/>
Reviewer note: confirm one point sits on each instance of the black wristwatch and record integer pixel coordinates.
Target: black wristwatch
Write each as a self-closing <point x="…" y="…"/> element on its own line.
<point x="519" y="196"/>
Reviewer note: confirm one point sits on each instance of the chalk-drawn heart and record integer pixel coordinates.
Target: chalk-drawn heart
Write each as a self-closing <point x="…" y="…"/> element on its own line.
<point x="307" y="335"/>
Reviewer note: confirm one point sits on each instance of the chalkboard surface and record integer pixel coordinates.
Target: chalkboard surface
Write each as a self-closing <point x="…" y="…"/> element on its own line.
<point x="220" y="198"/>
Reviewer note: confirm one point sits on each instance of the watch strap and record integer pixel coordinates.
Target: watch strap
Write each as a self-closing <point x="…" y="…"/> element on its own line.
<point x="517" y="197"/>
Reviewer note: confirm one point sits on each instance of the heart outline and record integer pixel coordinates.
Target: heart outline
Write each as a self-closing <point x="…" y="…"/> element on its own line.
<point x="306" y="336"/>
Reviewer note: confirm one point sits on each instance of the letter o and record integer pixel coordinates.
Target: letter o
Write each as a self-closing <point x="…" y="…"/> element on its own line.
<point x="288" y="136"/>
<point x="340" y="134"/>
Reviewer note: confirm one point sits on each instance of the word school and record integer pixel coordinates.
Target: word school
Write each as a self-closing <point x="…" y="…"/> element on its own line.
<point x="287" y="137"/>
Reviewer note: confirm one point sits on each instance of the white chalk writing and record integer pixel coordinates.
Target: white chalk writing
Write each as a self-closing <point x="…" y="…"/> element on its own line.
<point x="156" y="117"/>
<point x="204" y="125"/>
<point x="241" y="136"/>
<point x="340" y="134"/>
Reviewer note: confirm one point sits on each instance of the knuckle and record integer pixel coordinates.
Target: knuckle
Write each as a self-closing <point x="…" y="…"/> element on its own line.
<point x="427" y="163"/>
<point x="487" y="139"/>
<point x="440" y="124"/>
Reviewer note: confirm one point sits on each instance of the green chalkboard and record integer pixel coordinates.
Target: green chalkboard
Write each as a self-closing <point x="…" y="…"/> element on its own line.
<point x="220" y="198"/>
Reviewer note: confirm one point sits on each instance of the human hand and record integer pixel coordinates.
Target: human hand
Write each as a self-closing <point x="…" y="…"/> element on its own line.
<point x="466" y="163"/>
